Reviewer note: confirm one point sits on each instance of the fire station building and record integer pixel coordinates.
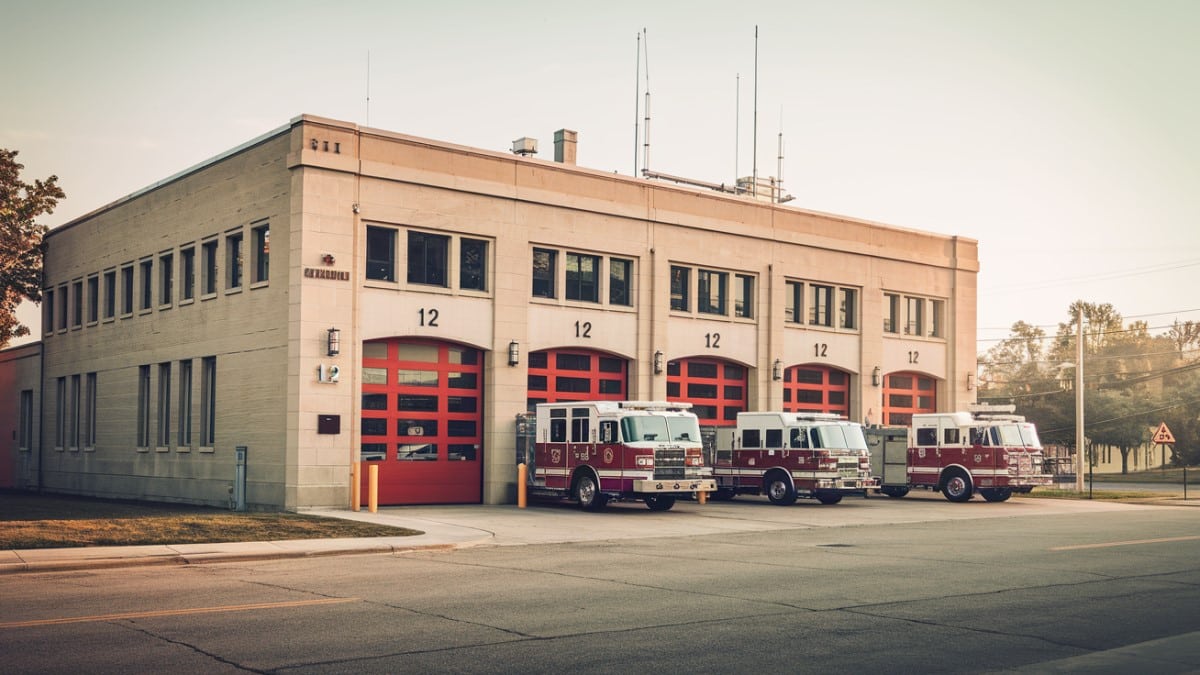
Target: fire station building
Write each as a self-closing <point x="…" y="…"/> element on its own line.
<point x="329" y="293"/>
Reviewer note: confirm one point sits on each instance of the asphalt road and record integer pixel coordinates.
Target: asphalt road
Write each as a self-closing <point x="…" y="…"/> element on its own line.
<point x="868" y="585"/>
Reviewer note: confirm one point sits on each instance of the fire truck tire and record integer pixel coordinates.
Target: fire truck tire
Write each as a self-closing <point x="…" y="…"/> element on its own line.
<point x="779" y="489"/>
<point x="660" y="502"/>
<point x="588" y="493"/>
<point x="996" y="494"/>
<point x="827" y="498"/>
<point x="723" y="494"/>
<point x="894" y="492"/>
<point x="956" y="486"/>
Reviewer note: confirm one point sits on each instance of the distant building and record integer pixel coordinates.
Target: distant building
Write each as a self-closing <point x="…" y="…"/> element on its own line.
<point x="330" y="293"/>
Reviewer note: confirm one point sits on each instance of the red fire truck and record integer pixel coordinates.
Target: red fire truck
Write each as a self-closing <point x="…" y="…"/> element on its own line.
<point x="600" y="451"/>
<point x="986" y="449"/>
<point x="786" y="455"/>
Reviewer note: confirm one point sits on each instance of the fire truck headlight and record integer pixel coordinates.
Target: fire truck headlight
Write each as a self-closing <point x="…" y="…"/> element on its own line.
<point x="694" y="461"/>
<point x="645" y="462"/>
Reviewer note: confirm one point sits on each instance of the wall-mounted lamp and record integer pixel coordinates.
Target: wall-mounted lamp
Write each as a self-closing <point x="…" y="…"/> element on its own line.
<point x="313" y="144"/>
<point x="875" y="376"/>
<point x="333" y="341"/>
<point x="354" y="207"/>
<point x="658" y="362"/>
<point x="777" y="370"/>
<point x="970" y="381"/>
<point x="514" y="353"/>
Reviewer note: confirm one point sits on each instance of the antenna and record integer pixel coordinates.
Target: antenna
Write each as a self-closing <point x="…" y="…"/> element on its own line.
<point x="754" y="184"/>
<point x="737" y="111"/>
<point x="778" y="196"/>
<point x="368" y="122"/>
<point x="646" y="133"/>
<point x="637" y="99"/>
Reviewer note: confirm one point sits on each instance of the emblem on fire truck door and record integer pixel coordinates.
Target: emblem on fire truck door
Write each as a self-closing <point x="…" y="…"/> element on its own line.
<point x="921" y="453"/>
<point x="608" y="455"/>
<point x="978" y="459"/>
<point x="555" y="456"/>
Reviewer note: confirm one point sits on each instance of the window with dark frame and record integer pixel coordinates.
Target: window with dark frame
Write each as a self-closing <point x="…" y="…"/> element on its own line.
<point x="187" y="273"/>
<point x="77" y="304"/>
<point x="143" y="407"/>
<point x="164" y="404"/>
<point x="64" y="301"/>
<point x="582" y="277"/>
<point x="847" y="308"/>
<point x="472" y="264"/>
<point x="48" y="310"/>
<point x="185" y="404"/>
<point x="381" y="253"/>
<point x="166" y="264"/>
<point x="620" y="275"/>
<point x="147" y="284"/>
<point x="711" y="291"/>
<point x="208" y="401"/>
<point x="428" y="255"/>
<point x="544" y="271"/>
<point x="680" y="286"/>
<point x="743" y="297"/>
<point x="260" y="239"/>
<point x="110" y="294"/>
<point x="127" y="289"/>
<point x="93" y="299"/>
<point x="891" y="313"/>
<point x="819" y="312"/>
<point x="208" y="277"/>
<point x="233" y="260"/>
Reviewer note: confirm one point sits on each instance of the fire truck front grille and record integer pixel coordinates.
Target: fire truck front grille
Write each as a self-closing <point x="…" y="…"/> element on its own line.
<point x="848" y="467"/>
<point x="668" y="463"/>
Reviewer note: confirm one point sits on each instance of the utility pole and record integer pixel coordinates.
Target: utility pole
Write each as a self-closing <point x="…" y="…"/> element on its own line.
<point x="1079" y="439"/>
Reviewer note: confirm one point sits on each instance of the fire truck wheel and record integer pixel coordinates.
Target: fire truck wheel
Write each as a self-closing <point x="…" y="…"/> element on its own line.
<point x="660" y="502"/>
<point x="894" y="492"/>
<point x="826" y="498"/>
<point x="588" y="493"/>
<point x="723" y="494"/>
<point x="996" y="494"/>
<point x="957" y="486"/>
<point x="779" y="489"/>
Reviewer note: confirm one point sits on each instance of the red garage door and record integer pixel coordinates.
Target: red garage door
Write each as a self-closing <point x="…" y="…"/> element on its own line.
<point x="575" y="375"/>
<point x="906" y="394"/>
<point x="819" y="389"/>
<point x="715" y="388"/>
<point x="422" y="421"/>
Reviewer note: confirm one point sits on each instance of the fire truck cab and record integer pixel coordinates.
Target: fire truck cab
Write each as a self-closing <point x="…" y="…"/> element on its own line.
<point x="986" y="449"/>
<point x="786" y="455"/>
<point x="595" y="452"/>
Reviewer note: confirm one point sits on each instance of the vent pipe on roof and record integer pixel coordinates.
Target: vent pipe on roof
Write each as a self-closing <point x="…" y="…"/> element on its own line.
<point x="564" y="146"/>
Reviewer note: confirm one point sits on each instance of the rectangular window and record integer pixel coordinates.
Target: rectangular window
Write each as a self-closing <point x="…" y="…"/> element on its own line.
<point x="937" y="318"/>
<point x="48" y="311"/>
<point x="680" y="286"/>
<point x="164" y="404"/>
<point x="916" y="316"/>
<point x="147" y="284"/>
<point x="127" y="290"/>
<point x="743" y="296"/>
<point x="795" y="302"/>
<point x="208" y="277"/>
<point x="427" y="258"/>
<point x="166" y="282"/>
<point x="93" y="299"/>
<point x="110" y="294"/>
<point x="143" y="407"/>
<point x="76" y="409"/>
<point x="233" y="260"/>
<point x="77" y="304"/>
<point x="187" y="273"/>
<point x="63" y="301"/>
<point x="583" y="277"/>
<point x="381" y="253"/>
<point x="819" y="312"/>
<point x="847" y="308"/>
<point x="710" y="291"/>
<point x="545" y="267"/>
<point x="891" y="313"/>
<point x="620" y="277"/>
<point x="89" y="412"/>
<point x="208" y="401"/>
<point x="472" y="264"/>
<point x="185" y="403"/>
<point x="25" y="423"/>
<point x="260" y="239"/>
<point x="60" y="413"/>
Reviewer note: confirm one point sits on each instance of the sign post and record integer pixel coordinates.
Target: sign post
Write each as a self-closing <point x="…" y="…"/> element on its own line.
<point x="1162" y="438"/>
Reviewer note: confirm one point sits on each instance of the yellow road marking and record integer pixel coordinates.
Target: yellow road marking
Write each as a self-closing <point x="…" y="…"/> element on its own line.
<point x="1134" y="542"/>
<point x="174" y="612"/>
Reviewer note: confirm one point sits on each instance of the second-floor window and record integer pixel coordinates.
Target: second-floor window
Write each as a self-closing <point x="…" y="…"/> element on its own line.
<point x="208" y="276"/>
<point x="147" y="281"/>
<point x="166" y="264"/>
<point x="187" y="273"/>
<point x="710" y="291"/>
<point x="260" y="239"/>
<point x="233" y="260"/>
<point x="381" y="253"/>
<point x="680" y="287"/>
<point x="545" y="264"/>
<point x="472" y="268"/>
<point x="620" y="279"/>
<point x="583" y="277"/>
<point x="427" y="258"/>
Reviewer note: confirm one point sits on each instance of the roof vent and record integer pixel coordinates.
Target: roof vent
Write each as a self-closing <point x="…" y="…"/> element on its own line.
<point x="525" y="146"/>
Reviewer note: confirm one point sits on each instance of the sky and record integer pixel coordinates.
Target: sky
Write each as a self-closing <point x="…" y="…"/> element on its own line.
<point x="1062" y="135"/>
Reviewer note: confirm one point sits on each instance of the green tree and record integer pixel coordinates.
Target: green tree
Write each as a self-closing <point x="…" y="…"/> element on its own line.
<point x="21" y="240"/>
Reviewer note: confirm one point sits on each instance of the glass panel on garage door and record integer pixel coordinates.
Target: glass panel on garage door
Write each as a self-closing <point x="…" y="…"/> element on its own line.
<point x="819" y="389"/>
<point x="715" y="388"/>
<point x="575" y="375"/>
<point x="906" y="394"/>
<point x="422" y="421"/>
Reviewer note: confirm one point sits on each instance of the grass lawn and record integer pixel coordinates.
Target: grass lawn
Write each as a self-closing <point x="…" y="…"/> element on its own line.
<point x="32" y="520"/>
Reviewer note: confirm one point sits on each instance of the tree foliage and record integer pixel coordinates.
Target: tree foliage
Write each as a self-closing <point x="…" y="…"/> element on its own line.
<point x="21" y="204"/>
<point x="1133" y="380"/>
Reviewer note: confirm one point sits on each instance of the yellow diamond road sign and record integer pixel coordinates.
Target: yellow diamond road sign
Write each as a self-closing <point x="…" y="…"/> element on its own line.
<point x="1163" y="436"/>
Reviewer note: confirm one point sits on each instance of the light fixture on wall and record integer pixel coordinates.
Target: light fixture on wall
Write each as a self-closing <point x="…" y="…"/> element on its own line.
<point x="333" y="341"/>
<point x="777" y="370"/>
<point x="658" y="362"/>
<point x="875" y="376"/>
<point x="514" y="353"/>
<point x="970" y="381"/>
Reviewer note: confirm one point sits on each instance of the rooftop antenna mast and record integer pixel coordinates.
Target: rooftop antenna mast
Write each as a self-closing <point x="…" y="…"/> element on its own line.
<point x="368" y="122"/>
<point x="637" y="99"/>
<point x="737" y="126"/>
<point x="778" y="196"/>
<point x="646" y="132"/>
<point x="754" y="184"/>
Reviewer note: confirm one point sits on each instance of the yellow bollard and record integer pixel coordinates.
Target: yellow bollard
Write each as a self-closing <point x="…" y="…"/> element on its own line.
<point x="355" y="486"/>
<point x="702" y="497"/>
<point x="373" y="488"/>
<point x="522" y="473"/>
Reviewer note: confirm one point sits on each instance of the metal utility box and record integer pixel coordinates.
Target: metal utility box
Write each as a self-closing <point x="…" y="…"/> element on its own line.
<point x="889" y="455"/>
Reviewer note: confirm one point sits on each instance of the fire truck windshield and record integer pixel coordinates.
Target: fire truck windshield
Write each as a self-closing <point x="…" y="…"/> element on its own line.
<point x="1010" y="436"/>
<point x="1030" y="436"/>
<point x="841" y="437"/>
<point x="660" y="428"/>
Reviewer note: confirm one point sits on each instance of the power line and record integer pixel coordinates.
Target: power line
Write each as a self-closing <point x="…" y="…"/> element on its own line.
<point x="1124" y="417"/>
<point x="1107" y="276"/>
<point x="1072" y="321"/>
